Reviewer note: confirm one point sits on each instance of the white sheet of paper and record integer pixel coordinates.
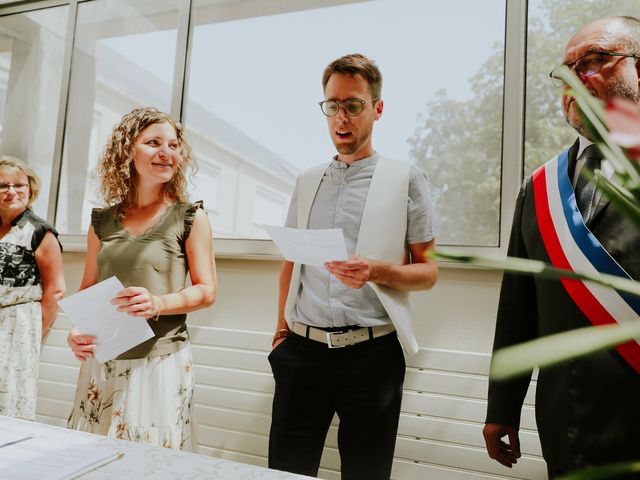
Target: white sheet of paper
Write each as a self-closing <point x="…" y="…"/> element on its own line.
<point x="310" y="247"/>
<point x="53" y="457"/>
<point x="10" y="438"/>
<point x="93" y="314"/>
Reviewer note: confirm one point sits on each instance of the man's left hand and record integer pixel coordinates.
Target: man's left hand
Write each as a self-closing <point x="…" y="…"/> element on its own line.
<point x="354" y="272"/>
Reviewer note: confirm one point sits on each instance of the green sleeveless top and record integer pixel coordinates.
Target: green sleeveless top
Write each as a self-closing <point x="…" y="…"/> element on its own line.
<point x="155" y="260"/>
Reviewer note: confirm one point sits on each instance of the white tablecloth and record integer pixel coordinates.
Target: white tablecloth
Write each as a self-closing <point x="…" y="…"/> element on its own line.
<point x="140" y="461"/>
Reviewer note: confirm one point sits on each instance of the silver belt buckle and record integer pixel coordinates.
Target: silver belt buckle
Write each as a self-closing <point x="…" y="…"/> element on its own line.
<point x="330" y="343"/>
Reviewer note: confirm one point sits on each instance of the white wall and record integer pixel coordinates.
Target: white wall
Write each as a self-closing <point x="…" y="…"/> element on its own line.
<point x="445" y="389"/>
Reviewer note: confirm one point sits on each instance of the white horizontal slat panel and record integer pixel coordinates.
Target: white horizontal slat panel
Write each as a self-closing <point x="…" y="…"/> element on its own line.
<point x="58" y="355"/>
<point x="231" y="358"/>
<point x="463" y="456"/>
<point x="234" y="378"/>
<point x="56" y="390"/>
<point x="451" y="361"/>
<point x="456" y="432"/>
<point x="223" y="337"/>
<point x="247" y="422"/>
<point x="239" y="442"/>
<point x="460" y="384"/>
<point x="406" y="470"/>
<point x="58" y="373"/>
<point x="455" y="408"/>
<point x="49" y="407"/>
<point x="233" y="399"/>
<point x="58" y="422"/>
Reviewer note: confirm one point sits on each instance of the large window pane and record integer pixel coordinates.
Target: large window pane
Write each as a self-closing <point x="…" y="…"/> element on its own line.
<point x="255" y="80"/>
<point x="124" y="56"/>
<point x="32" y="48"/>
<point x="551" y="25"/>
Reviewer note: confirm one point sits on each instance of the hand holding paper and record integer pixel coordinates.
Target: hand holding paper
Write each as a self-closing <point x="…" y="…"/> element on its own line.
<point x="310" y="247"/>
<point x="93" y="314"/>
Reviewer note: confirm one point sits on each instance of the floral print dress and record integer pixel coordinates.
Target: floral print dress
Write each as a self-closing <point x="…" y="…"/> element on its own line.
<point x="20" y="316"/>
<point x="146" y="400"/>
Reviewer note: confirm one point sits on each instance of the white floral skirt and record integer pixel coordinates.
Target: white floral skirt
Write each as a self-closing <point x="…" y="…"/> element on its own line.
<point x="146" y="400"/>
<point x="20" y="334"/>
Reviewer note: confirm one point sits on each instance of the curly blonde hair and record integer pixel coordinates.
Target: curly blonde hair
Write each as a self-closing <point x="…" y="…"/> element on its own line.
<point x="118" y="176"/>
<point x="7" y="161"/>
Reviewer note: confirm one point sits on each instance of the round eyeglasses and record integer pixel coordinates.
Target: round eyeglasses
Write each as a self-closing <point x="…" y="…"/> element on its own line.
<point x="588" y="65"/>
<point x="17" y="187"/>
<point x="352" y="106"/>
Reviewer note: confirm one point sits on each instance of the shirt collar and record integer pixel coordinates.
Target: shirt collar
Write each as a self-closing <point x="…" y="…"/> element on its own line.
<point x="584" y="143"/>
<point x="358" y="164"/>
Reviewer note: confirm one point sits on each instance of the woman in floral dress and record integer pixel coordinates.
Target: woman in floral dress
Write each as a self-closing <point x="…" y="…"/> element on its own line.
<point x="149" y="237"/>
<point x="31" y="283"/>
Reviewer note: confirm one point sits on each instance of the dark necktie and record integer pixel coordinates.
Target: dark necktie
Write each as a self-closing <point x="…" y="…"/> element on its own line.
<point x="584" y="189"/>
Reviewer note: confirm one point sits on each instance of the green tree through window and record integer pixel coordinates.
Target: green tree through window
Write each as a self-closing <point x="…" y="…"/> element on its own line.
<point x="458" y="143"/>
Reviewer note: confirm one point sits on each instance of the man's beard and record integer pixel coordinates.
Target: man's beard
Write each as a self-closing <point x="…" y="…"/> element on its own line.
<point x="620" y="89"/>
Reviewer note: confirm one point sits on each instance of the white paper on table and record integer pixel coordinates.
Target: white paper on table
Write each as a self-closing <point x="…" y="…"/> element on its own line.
<point x="310" y="247"/>
<point x="11" y="438"/>
<point x="53" y="457"/>
<point x="93" y="314"/>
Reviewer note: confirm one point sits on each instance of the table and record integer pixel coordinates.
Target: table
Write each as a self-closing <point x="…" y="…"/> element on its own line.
<point x="140" y="461"/>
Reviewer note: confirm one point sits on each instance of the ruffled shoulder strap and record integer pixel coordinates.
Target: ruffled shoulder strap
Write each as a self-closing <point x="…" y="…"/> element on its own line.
<point x="98" y="220"/>
<point x="189" y="215"/>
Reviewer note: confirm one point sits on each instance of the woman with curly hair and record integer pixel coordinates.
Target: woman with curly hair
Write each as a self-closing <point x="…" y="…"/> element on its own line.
<point x="31" y="283"/>
<point x="149" y="237"/>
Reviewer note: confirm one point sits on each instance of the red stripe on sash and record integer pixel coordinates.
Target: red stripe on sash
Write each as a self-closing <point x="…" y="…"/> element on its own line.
<point x="576" y="289"/>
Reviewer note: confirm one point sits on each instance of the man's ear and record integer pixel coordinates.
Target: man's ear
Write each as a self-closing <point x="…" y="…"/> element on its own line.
<point x="379" y="108"/>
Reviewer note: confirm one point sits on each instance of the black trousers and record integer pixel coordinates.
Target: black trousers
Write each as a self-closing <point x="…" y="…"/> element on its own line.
<point x="362" y="383"/>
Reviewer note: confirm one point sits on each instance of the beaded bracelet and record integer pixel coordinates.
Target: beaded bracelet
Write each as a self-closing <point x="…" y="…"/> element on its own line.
<point x="282" y="333"/>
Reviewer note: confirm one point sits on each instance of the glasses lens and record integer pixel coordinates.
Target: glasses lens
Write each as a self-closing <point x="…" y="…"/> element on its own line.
<point x="353" y="107"/>
<point x="17" y="187"/>
<point x="589" y="65"/>
<point x="329" y="108"/>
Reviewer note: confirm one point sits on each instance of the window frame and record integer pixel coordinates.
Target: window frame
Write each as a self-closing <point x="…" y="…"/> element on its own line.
<point x="513" y="118"/>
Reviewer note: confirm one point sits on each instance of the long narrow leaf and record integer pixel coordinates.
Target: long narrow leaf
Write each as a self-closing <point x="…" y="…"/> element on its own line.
<point x="605" y="471"/>
<point x="540" y="269"/>
<point x="620" y="197"/>
<point x="545" y="351"/>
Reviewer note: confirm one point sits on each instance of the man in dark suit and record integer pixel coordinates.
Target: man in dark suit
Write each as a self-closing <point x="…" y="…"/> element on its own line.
<point x="587" y="409"/>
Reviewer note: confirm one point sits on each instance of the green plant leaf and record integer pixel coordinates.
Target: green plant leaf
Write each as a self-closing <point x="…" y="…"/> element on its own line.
<point x="605" y="471"/>
<point x="537" y="268"/>
<point x="520" y="359"/>
<point x="620" y="197"/>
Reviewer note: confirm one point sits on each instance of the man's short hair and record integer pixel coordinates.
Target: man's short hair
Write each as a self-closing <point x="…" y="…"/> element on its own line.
<point x="356" y="64"/>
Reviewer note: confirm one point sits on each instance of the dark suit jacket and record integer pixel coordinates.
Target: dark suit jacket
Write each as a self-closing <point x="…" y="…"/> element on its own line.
<point x="587" y="409"/>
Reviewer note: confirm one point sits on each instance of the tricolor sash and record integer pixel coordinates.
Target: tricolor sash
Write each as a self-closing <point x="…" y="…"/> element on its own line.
<point x="572" y="246"/>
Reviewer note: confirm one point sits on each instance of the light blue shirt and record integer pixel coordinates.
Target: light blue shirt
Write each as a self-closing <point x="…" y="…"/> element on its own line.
<point x="324" y="301"/>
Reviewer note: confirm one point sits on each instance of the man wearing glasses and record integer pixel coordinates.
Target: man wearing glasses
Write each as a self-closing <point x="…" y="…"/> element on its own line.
<point x="339" y="330"/>
<point x="586" y="409"/>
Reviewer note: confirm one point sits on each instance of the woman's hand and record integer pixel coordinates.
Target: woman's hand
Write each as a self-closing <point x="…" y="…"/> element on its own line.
<point x="137" y="302"/>
<point x="81" y="345"/>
